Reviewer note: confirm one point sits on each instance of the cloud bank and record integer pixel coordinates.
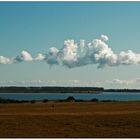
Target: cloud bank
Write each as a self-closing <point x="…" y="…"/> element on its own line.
<point x="80" y="54"/>
<point x="112" y="83"/>
<point x="95" y="52"/>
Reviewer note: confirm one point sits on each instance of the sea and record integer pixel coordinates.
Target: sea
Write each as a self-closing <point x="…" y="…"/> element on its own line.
<point x="117" y="96"/>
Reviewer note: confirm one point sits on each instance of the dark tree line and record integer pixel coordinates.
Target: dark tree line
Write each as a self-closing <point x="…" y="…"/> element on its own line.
<point x="51" y="89"/>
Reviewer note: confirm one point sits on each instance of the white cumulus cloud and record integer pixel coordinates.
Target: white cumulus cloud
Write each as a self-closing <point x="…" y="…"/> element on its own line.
<point x="95" y="52"/>
<point x="104" y="38"/>
<point x="40" y="57"/>
<point x="73" y="54"/>
<point x="24" y="56"/>
<point x="4" y="60"/>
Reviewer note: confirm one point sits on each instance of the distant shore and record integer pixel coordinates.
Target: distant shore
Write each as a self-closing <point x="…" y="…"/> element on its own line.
<point x="54" y="89"/>
<point x="51" y="89"/>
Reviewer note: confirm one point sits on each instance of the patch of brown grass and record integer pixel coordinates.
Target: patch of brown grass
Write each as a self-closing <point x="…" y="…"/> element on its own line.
<point x="70" y="120"/>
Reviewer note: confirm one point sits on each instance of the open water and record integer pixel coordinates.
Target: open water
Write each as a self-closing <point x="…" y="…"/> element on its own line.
<point x="118" y="96"/>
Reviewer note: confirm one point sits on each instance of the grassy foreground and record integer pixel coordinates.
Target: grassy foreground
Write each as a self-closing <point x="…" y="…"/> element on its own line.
<point x="70" y="120"/>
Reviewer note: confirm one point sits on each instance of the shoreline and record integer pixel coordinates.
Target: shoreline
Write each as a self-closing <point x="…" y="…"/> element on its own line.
<point x="68" y="99"/>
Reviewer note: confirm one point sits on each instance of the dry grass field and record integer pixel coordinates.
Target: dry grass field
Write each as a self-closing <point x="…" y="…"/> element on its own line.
<point x="70" y="120"/>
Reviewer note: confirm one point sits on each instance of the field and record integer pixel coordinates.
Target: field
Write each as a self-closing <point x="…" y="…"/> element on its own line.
<point x="70" y="120"/>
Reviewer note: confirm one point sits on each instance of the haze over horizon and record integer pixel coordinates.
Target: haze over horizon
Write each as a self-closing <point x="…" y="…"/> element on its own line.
<point x="70" y="44"/>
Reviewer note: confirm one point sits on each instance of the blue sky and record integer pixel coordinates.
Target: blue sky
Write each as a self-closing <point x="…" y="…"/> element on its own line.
<point x="37" y="26"/>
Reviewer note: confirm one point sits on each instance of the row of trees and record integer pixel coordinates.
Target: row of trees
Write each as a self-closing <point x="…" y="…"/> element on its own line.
<point x="69" y="99"/>
<point x="50" y="89"/>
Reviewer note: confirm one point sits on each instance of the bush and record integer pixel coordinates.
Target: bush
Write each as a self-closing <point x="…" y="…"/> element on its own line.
<point x="60" y="100"/>
<point x="94" y="100"/>
<point x="24" y="101"/>
<point x="45" y="100"/>
<point x="80" y="100"/>
<point x="108" y="100"/>
<point x="32" y="101"/>
<point x="70" y="98"/>
<point x="12" y="101"/>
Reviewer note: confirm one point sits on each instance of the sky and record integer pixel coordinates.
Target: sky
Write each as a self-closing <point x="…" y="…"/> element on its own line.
<point x="70" y="44"/>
